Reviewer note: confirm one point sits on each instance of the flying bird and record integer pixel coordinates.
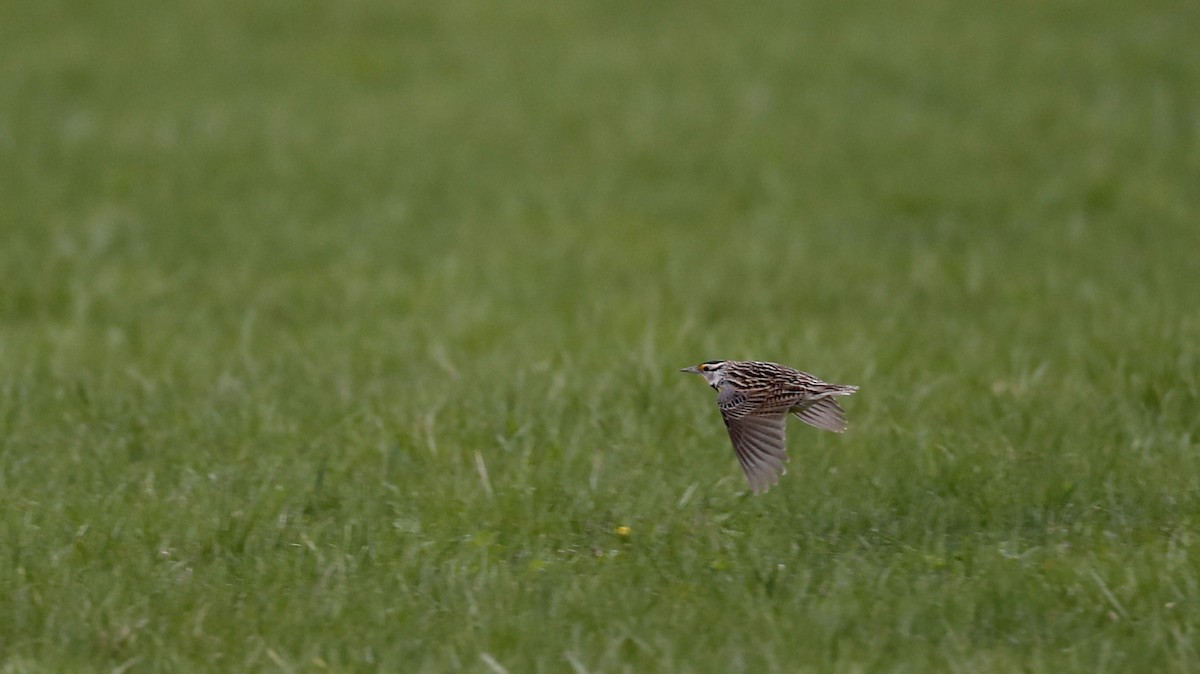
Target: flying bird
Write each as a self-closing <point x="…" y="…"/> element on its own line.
<point x="755" y="398"/>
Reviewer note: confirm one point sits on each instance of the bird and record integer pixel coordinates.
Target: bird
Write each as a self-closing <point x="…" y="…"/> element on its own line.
<point x="755" y="398"/>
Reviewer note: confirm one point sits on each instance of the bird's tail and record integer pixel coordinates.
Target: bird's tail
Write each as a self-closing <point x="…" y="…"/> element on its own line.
<point x="824" y="414"/>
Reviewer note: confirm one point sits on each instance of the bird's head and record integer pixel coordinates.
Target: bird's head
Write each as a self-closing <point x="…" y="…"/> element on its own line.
<point x="713" y="372"/>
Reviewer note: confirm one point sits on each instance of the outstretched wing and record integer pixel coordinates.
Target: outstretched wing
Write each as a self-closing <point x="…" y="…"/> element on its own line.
<point x="761" y="447"/>
<point x="760" y="443"/>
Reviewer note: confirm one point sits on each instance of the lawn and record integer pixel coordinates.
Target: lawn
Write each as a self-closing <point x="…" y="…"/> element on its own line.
<point x="345" y="336"/>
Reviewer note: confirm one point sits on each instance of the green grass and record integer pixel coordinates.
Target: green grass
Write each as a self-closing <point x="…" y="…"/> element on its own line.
<point x="343" y="336"/>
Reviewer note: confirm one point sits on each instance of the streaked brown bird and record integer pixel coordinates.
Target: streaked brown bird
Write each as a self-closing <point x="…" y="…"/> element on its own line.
<point x="755" y="398"/>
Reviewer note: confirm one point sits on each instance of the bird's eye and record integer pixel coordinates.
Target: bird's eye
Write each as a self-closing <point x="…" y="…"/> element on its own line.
<point x="704" y="366"/>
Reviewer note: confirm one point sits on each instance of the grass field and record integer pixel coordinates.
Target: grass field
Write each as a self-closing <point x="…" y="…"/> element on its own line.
<point x="344" y="336"/>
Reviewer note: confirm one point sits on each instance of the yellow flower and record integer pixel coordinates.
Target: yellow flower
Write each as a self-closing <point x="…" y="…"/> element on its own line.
<point x="623" y="531"/>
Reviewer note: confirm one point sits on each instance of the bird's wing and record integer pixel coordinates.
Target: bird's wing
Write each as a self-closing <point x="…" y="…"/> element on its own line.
<point x="760" y="442"/>
<point x="734" y="404"/>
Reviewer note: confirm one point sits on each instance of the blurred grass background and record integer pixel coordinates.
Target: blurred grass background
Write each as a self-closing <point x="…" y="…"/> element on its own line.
<point x="343" y="336"/>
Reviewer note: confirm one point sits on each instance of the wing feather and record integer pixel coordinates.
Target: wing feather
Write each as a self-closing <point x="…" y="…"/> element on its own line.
<point x="760" y="443"/>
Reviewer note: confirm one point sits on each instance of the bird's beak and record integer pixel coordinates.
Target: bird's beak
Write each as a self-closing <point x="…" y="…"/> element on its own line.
<point x="691" y="369"/>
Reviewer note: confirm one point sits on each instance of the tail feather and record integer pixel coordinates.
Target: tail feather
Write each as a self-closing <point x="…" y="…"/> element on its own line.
<point x="824" y="414"/>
